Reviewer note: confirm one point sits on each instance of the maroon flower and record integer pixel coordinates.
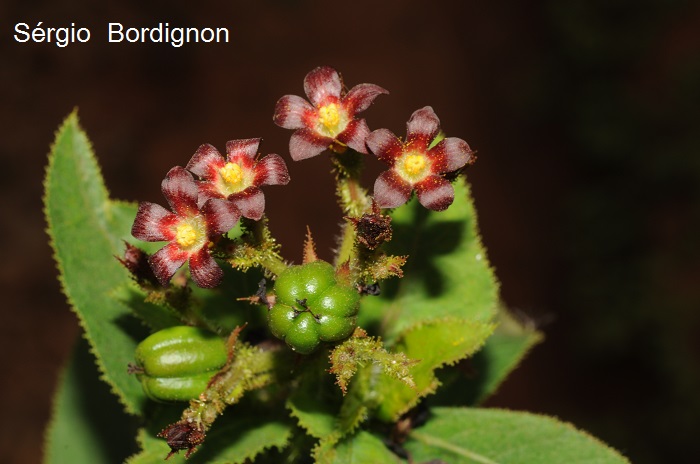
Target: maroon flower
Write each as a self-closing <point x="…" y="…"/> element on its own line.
<point x="415" y="165"/>
<point x="330" y="118"/>
<point x="238" y="177"/>
<point x="188" y="228"/>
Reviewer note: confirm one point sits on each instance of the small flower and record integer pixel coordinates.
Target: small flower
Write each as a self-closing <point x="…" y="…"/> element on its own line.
<point x="329" y="121"/>
<point x="188" y="228"/>
<point x="417" y="166"/>
<point x="238" y="177"/>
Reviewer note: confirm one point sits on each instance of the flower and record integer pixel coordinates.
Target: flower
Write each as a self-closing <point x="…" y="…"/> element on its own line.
<point x="329" y="120"/>
<point x="189" y="229"/>
<point x="238" y="177"/>
<point x="415" y="165"/>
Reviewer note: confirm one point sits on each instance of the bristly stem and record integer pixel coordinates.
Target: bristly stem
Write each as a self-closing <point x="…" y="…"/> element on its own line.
<point x="352" y="198"/>
<point x="346" y="249"/>
<point x="347" y="167"/>
<point x="256" y="247"/>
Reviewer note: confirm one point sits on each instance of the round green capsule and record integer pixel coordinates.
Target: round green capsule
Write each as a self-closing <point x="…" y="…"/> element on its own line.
<point x="311" y="307"/>
<point x="176" y="364"/>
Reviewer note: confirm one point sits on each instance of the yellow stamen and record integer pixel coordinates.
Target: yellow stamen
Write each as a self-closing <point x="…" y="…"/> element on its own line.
<point x="329" y="116"/>
<point x="185" y="235"/>
<point x="414" y="164"/>
<point x="231" y="173"/>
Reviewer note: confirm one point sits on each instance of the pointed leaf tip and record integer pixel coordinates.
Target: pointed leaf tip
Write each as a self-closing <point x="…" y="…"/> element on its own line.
<point x="86" y="231"/>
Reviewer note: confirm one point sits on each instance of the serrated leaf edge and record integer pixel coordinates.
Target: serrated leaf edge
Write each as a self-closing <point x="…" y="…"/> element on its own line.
<point x="545" y="417"/>
<point x="435" y="383"/>
<point x="72" y="120"/>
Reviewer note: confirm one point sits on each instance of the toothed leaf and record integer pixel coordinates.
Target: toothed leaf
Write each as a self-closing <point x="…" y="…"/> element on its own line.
<point x="235" y="438"/>
<point x="490" y="436"/>
<point x="447" y="273"/>
<point x="435" y="344"/>
<point x="86" y="231"/>
<point x="487" y="369"/>
<point x="315" y="400"/>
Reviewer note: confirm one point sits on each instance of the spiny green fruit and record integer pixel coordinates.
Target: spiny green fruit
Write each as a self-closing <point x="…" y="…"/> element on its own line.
<point x="176" y="364"/>
<point x="311" y="307"/>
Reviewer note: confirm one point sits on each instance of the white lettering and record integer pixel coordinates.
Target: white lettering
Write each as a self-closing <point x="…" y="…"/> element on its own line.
<point x="61" y="36"/>
<point x="118" y="32"/>
<point x="18" y="30"/>
<point x="163" y="33"/>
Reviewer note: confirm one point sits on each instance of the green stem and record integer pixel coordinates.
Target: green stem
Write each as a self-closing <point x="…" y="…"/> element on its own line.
<point x="256" y="247"/>
<point x="252" y="368"/>
<point x="347" y="167"/>
<point x="347" y="249"/>
<point x="274" y="264"/>
<point x="353" y="199"/>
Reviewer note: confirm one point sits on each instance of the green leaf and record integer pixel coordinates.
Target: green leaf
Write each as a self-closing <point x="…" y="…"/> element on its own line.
<point x="155" y="316"/>
<point x="237" y="437"/>
<point x="88" y="425"/>
<point x="502" y="353"/>
<point x="86" y="230"/>
<point x="315" y="400"/>
<point x="447" y="273"/>
<point x="360" y="448"/>
<point x="490" y="436"/>
<point x="221" y="307"/>
<point x="435" y="344"/>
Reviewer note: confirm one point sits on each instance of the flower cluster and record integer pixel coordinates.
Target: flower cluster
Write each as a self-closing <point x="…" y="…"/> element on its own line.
<point x="309" y="306"/>
<point x="331" y="123"/>
<point x="204" y="209"/>
<point x="212" y="192"/>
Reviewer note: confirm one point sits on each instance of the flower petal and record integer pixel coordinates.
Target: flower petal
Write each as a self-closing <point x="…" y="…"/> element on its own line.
<point x="207" y="191"/>
<point x="423" y="126"/>
<point x="435" y="193"/>
<point x="321" y="83"/>
<point x="153" y="223"/>
<point x="385" y="145"/>
<point x="271" y="170"/>
<point x="205" y="162"/>
<point x="390" y="190"/>
<point x="166" y="261"/>
<point x="293" y="112"/>
<point x="355" y="135"/>
<point x="361" y="96"/>
<point x="250" y="202"/>
<point x="243" y="147"/>
<point x="205" y="272"/>
<point x="306" y="144"/>
<point x="181" y="191"/>
<point x="453" y="153"/>
<point x="220" y="215"/>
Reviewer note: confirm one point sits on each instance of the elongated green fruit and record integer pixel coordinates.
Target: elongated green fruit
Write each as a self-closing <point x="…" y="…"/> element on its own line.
<point x="175" y="364"/>
<point x="311" y="307"/>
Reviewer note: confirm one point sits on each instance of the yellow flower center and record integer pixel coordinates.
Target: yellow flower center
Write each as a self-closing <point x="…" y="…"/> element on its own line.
<point x="186" y="235"/>
<point x="232" y="174"/>
<point x="329" y="116"/>
<point x="414" y="164"/>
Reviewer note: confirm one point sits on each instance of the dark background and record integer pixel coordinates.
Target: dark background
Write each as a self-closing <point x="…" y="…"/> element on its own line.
<point x="584" y="115"/>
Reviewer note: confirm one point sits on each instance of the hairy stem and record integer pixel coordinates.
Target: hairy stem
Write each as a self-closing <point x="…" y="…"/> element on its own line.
<point x="353" y="199"/>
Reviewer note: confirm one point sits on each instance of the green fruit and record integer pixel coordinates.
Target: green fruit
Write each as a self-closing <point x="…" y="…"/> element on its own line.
<point x="176" y="364"/>
<point x="311" y="307"/>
